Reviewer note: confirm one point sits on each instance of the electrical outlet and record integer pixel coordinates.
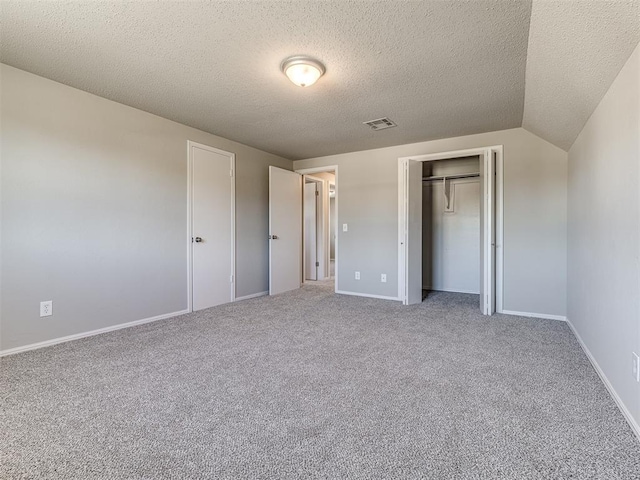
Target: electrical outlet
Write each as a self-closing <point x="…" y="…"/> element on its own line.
<point x="46" y="308"/>
<point x="345" y="227"/>
<point x="636" y="367"/>
<point x="357" y="275"/>
<point x="383" y="278"/>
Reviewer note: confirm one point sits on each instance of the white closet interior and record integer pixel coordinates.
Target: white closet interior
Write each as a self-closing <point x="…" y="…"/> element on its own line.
<point x="451" y="225"/>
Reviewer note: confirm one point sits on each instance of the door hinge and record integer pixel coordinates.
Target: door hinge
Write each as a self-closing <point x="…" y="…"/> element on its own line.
<point x="231" y="279"/>
<point x="317" y="264"/>
<point x="231" y="173"/>
<point x="317" y="193"/>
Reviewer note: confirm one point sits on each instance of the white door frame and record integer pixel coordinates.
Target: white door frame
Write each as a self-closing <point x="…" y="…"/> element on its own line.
<point x="499" y="212"/>
<point x="311" y="171"/>
<point x="232" y="175"/>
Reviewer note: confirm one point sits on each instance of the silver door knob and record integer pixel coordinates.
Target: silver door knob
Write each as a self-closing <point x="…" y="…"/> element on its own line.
<point x="198" y="239"/>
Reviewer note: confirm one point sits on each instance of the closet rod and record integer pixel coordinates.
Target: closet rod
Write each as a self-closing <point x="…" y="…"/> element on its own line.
<point x="446" y="177"/>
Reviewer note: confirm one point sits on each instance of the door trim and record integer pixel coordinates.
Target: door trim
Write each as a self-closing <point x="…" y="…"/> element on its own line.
<point x="499" y="214"/>
<point x="232" y="178"/>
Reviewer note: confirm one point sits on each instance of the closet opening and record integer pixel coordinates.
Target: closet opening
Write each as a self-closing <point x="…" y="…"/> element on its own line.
<point x="450" y="225"/>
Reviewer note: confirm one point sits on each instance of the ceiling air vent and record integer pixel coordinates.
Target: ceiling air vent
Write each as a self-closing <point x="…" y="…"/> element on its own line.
<point x="380" y="124"/>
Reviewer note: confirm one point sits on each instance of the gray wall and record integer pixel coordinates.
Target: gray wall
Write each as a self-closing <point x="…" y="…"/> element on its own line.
<point x="94" y="211"/>
<point x="332" y="228"/>
<point x="535" y="175"/>
<point x="604" y="234"/>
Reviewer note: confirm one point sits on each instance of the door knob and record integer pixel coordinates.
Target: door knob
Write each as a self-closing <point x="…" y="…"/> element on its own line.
<point x="273" y="237"/>
<point x="198" y="239"/>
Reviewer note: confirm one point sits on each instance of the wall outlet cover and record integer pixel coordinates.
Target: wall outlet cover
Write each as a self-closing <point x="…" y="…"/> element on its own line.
<point x="357" y="275"/>
<point x="46" y="308"/>
<point x="383" y="278"/>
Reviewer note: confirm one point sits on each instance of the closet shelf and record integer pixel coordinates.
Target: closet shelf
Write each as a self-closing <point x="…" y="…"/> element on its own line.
<point x="447" y="177"/>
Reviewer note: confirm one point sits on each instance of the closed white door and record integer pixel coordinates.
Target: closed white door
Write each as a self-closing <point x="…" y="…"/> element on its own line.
<point x="212" y="226"/>
<point x="310" y="231"/>
<point x="285" y="230"/>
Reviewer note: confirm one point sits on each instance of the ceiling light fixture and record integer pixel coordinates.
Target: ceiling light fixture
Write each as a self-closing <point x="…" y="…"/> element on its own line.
<point x="303" y="71"/>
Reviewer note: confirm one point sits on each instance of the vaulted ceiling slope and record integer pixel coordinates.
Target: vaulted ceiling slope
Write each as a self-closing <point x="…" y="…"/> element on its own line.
<point x="437" y="68"/>
<point x="576" y="49"/>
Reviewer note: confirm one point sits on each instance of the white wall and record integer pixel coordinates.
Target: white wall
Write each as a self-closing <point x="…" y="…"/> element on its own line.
<point x="94" y="212"/>
<point x="604" y="234"/>
<point x="535" y="175"/>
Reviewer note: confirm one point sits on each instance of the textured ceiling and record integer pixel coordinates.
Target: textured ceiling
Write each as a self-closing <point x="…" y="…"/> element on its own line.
<point x="437" y="68"/>
<point x="576" y="49"/>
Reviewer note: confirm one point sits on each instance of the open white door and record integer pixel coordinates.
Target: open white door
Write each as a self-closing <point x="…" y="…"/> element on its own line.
<point x="285" y="230"/>
<point x="413" y="215"/>
<point x="487" y="235"/>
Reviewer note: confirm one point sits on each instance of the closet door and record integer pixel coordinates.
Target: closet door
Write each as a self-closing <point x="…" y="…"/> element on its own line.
<point x="413" y="209"/>
<point x="487" y="235"/>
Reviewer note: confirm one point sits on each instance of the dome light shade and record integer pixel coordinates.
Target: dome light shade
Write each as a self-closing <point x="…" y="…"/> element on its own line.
<point x="303" y="71"/>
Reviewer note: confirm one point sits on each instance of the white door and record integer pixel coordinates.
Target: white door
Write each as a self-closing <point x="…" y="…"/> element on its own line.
<point x="413" y="206"/>
<point x="212" y="226"/>
<point x="310" y="231"/>
<point x="285" y="230"/>
<point x="487" y="233"/>
<point x="322" y="245"/>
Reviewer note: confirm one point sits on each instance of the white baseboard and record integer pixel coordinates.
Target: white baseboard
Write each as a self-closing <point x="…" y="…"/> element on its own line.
<point x="368" y="295"/>
<point x="449" y="290"/>
<point x="545" y="316"/>
<point x="91" y="333"/>
<point x="253" y="295"/>
<point x="627" y="414"/>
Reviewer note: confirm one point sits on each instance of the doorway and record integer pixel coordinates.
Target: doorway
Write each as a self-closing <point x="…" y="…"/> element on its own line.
<point x="312" y="227"/>
<point x="413" y="173"/>
<point x="299" y="261"/>
<point x="319" y="236"/>
<point x="451" y="225"/>
<point x="211" y="226"/>
<point x="318" y="220"/>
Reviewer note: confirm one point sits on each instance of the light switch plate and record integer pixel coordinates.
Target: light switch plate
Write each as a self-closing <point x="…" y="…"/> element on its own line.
<point x="344" y="227"/>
